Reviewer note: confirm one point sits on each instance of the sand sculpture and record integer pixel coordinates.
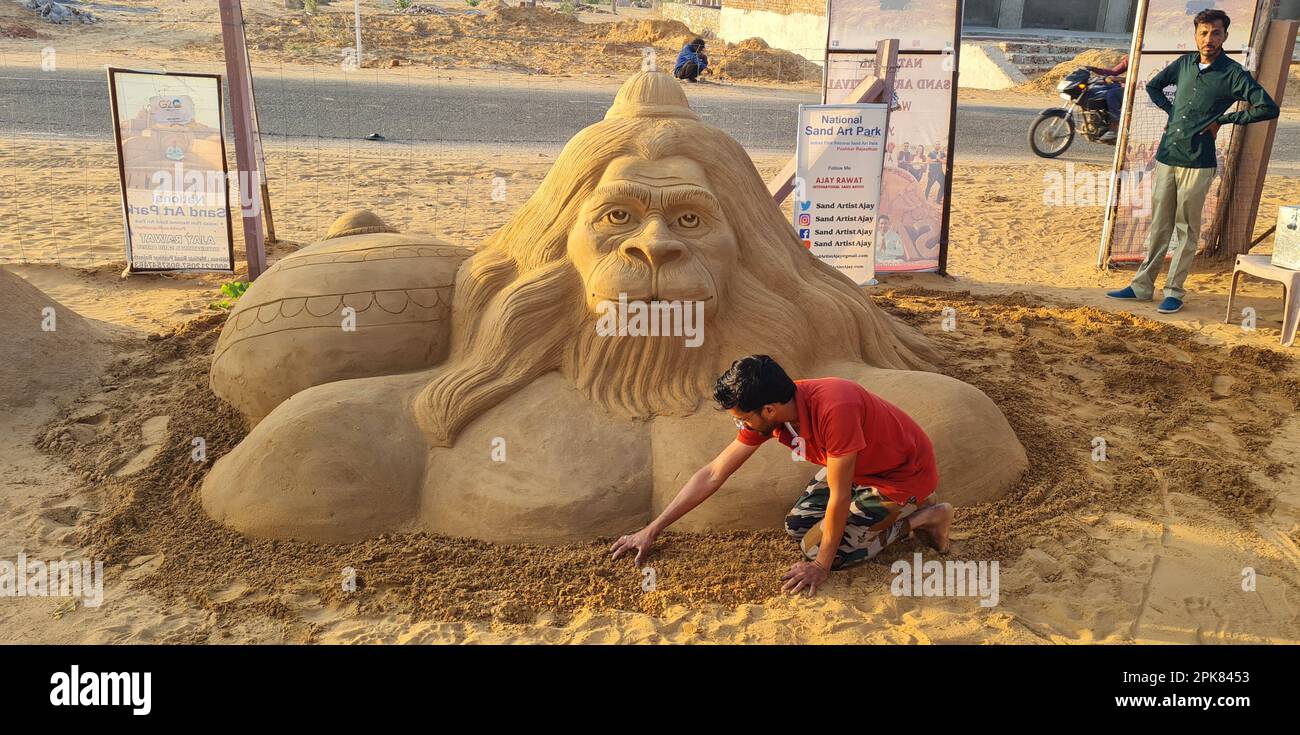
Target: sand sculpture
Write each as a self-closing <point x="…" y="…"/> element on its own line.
<point x="477" y="398"/>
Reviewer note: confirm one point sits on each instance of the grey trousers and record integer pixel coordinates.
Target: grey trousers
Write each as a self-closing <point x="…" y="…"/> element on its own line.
<point x="1177" y="196"/>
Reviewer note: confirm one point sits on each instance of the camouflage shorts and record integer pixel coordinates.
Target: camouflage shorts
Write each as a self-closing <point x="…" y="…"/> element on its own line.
<point x="874" y="522"/>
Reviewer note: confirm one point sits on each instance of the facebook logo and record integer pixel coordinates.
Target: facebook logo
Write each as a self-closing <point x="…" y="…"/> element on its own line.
<point x="805" y="233"/>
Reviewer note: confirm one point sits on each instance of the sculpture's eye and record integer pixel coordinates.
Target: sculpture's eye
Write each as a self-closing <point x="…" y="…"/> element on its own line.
<point x="618" y="217"/>
<point x="690" y="219"/>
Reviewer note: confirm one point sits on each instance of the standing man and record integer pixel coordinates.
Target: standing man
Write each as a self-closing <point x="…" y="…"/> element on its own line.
<point x="1208" y="84"/>
<point x="876" y="486"/>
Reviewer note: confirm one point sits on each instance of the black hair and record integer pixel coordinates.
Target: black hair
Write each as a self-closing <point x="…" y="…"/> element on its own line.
<point x="751" y="383"/>
<point x="697" y="44"/>
<point x="1209" y="16"/>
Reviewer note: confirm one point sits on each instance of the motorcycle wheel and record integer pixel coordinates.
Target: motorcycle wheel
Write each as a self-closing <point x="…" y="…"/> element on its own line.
<point x="1052" y="133"/>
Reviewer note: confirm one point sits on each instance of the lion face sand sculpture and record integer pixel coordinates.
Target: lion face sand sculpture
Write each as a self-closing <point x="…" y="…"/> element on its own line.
<point x="496" y="408"/>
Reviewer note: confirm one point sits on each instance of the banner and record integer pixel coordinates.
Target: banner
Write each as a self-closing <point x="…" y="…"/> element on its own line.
<point x="914" y="186"/>
<point x="839" y="158"/>
<point x="172" y="163"/>
<point x="916" y="182"/>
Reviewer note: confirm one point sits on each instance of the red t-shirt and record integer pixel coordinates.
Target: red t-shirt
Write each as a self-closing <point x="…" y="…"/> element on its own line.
<point x="839" y="417"/>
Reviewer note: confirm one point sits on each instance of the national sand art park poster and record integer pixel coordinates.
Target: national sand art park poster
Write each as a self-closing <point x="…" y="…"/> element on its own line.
<point x="172" y="162"/>
<point x="840" y="154"/>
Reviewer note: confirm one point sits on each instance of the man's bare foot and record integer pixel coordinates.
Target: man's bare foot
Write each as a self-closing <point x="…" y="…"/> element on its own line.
<point x="930" y="526"/>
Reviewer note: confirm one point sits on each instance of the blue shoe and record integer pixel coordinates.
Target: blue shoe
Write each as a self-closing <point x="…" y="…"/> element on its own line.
<point x="1125" y="294"/>
<point x="1170" y="305"/>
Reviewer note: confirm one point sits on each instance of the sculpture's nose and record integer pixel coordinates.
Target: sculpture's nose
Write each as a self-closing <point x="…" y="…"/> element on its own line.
<point x="656" y="245"/>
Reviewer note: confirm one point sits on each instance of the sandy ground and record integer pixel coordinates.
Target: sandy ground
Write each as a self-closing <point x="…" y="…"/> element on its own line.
<point x="1149" y="546"/>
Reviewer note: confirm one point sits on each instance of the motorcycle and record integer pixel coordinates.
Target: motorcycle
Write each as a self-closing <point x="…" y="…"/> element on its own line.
<point x="1053" y="130"/>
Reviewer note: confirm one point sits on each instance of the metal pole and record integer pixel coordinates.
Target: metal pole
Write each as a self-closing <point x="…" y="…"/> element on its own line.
<point x="356" y="5"/>
<point x="241" y="114"/>
<point x="1126" y="119"/>
<point x="257" y="139"/>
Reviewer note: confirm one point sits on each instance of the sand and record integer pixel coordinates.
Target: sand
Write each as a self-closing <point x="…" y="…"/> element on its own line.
<point x="1081" y="542"/>
<point x="1089" y="552"/>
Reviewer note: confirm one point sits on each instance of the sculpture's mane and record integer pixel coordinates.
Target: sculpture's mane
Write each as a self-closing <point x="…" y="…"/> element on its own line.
<point x="519" y="309"/>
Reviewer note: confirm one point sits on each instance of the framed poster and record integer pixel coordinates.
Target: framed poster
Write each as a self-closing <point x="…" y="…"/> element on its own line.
<point x="171" y="155"/>
<point x="839" y="158"/>
<point x="918" y="162"/>
<point x="917" y="182"/>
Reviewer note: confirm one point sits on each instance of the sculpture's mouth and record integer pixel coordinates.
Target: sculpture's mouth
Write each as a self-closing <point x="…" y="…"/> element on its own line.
<point x="650" y="298"/>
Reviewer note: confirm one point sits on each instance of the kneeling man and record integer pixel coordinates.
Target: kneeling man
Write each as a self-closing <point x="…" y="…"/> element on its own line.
<point x="876" y="486"/>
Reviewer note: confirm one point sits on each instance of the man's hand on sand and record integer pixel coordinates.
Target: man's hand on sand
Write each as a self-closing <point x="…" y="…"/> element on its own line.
<point x="804" y="574"/>
<point x="641" y="541"/>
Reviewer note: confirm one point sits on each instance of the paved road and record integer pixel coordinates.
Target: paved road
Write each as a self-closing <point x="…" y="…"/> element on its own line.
<point x="74" y="103"/>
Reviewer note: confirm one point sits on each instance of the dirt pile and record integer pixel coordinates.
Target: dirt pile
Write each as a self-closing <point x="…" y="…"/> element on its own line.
<point x="1107" y="57"/>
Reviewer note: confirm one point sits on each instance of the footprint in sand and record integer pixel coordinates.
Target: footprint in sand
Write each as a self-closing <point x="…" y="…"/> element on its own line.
<point x="1221" y="387"/>
<point x="152" y="434"/>
<point x="230" y="593"/>
<point x="142" y="566"/>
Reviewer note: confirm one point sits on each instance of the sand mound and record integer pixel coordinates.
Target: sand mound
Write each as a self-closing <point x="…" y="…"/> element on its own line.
<point x="1107" y="57"/>
<point x="670" y="32"/>
<point x="38" y="363"/>
<point x="767" y="64"/>
<point x="539" y="18"/>
<point x="1062" y="375"/>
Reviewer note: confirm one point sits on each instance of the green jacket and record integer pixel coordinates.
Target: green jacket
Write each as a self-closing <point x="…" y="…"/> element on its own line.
<point x="1201" y="99"/>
